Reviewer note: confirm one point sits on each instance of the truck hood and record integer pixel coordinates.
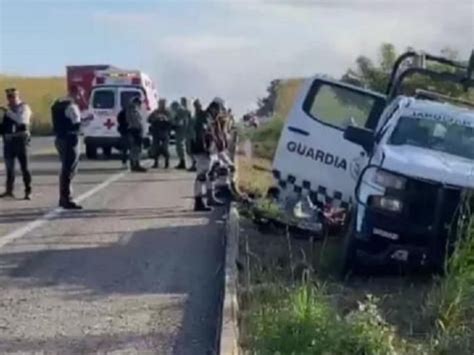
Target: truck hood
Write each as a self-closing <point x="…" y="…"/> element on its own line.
<point x="429" y="164"/>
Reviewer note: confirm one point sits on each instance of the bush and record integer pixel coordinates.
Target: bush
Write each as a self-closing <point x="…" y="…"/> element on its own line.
<point x="265" y="138"/>
<point x="303" y="321"/>
<point x="453" y="300"/>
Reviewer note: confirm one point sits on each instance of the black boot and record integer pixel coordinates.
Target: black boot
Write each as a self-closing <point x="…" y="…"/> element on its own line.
<point x="70" y="205"/>
<point x="155" y="165"/>
<point x="137" y="168"/>
<point x="193" y="169"/>
<point x="200" y="206"/>
<point x="212" y="200"/>
<point x="28" y="194"/>
<point x="7" y="194"/>
<point x="181" y="165"/>
<point x="167" y="163"/>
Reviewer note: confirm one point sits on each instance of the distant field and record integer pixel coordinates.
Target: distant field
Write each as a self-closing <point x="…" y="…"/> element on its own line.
<point x="286" y="94"/>
<point x="39" y="93"/>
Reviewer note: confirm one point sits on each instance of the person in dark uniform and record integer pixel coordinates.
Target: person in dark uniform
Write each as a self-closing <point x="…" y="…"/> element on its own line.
<point x="14" y="128"/>
<point x="66" y="126"/>
<point x="160" y="129"/>
<point x="134" y="119"/>
<point x="122" y="128"/>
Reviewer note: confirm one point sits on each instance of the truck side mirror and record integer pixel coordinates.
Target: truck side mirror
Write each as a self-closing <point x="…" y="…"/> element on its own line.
<point x="360" y="136"/>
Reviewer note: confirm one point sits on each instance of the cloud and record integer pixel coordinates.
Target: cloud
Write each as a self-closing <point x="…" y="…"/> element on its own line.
<point x="201" y="43"/>
<point x="234" y="48"/>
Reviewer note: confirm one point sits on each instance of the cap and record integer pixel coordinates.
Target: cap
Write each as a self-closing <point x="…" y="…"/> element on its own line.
<point x="10" y="91"/>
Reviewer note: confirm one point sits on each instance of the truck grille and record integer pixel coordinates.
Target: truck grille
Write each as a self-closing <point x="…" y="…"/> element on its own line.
<point x="425" y="197"/>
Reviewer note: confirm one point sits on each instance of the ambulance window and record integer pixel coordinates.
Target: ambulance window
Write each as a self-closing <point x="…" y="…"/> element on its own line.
<point x="103" y="99"/>
<point x="339" y="106"/>
<point x="127" y="96"/>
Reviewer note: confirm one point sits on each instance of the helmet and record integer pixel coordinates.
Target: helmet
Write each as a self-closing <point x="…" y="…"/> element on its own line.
<point x="219" y="101"/>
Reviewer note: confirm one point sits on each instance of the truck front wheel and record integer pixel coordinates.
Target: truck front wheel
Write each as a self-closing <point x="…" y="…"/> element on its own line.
<point x="91" y="152"/>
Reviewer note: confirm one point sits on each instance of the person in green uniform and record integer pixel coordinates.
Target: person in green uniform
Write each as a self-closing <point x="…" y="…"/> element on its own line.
<point x="160" y="128"/>
<point x="190" y="131"/>
<point x="181" y="118"/>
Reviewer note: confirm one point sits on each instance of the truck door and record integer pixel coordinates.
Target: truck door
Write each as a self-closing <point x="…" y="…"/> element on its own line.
<point x="312" y="154"/>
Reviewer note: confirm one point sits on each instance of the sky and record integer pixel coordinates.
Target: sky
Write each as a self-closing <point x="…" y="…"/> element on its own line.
<point x="226" y="48"/>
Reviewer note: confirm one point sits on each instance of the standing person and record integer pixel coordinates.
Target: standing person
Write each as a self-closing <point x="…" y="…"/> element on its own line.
<point x="122" y="128"/>
<point x="202" y="149"/>
<point x="160" y="129"/>
<point x="66" y="126"/>
<point x="223" y="167"/>
<point x="134" y="119"/>
<point x="14" y="128"/>
<point x="181" y="118"/>
<point x="190" y="130"/>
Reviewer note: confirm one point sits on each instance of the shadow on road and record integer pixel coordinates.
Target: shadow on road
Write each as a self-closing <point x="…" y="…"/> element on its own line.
<point x="185" y="260"/>
<point x="29" y="214"/>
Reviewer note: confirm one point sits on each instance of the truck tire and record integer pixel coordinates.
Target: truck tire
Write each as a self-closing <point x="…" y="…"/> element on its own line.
<point x="107" y="152"/>
<point x="91" y="152"/>
<point x="349" y="249"/>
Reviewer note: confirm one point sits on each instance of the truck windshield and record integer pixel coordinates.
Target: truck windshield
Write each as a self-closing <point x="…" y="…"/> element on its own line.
<point x="444" y="137"/>
<point x="103" y="99"/>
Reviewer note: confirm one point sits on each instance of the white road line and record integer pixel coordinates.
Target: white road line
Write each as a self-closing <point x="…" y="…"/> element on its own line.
<point x="21" y="232"/>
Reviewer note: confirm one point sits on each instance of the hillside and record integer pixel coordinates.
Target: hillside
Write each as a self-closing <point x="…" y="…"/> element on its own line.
<point x="39" y="93"/>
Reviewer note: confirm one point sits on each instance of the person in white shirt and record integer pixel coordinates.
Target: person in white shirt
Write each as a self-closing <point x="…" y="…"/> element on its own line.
<point x="15" y="130"/>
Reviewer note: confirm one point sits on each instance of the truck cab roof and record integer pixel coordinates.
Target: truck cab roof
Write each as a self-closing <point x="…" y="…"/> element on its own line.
<point x="447" y="112"/>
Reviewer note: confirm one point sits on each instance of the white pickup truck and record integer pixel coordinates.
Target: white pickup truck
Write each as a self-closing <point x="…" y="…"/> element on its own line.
<point x="400" y="165"/>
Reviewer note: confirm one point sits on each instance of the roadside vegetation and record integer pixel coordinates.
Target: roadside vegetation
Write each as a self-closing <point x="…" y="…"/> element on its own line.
<point x="293" y="302"/>
<point x="291" y="299"/>
<point x="39" y="93"/>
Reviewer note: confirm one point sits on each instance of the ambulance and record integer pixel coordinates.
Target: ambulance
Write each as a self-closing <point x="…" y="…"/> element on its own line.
<point x="112" y="90"/>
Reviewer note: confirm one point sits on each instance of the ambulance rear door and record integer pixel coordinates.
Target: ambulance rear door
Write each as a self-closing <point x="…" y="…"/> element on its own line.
<point x="103" y="109"/>
<point x="312" y="154"/>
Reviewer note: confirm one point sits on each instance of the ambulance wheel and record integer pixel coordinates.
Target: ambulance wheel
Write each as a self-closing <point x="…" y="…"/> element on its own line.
<point x="107" y="152"/>
<point x="91" y="152"/>
<point x="349" y="248"/>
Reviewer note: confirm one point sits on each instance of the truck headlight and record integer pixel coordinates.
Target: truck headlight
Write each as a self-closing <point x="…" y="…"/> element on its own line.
<point x="387" y="203"/>
<point x="388" y="180"/>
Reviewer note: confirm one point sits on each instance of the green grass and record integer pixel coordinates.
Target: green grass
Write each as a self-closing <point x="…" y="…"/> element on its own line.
<point x="265" y="138"/>
<point x="303" y="320"/>
<point x="308" y="318"/>
<point x="39" y="93"/>
<point x="452" y="302"/>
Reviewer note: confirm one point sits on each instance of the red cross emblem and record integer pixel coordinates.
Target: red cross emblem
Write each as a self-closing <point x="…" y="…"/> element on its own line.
<point x="109" y="123"/>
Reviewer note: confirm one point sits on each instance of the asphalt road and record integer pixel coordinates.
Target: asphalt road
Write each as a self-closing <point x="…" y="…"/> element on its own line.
<point x="134" y="272"/>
